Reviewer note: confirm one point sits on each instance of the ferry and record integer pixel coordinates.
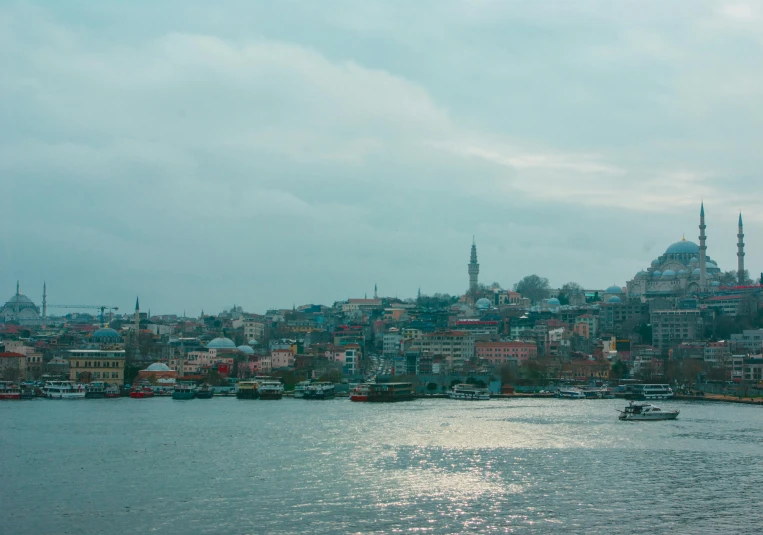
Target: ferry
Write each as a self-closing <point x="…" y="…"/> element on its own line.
<point x="645" y="412"/>
<point x="570" y="393"/>
<point x="96" y="389"/>
<point x="141" y="392"/>
<point x="389" y="392"/>
<point x="360" y="392"/>
<point x="205" y="392"/>
<point x="270" y="389"/>
<point x="9" y="390"/>
<point x="28" y="392"/>
<point x="320" y="390"/>
<point x="299" y="389"/>
<point x="63" y="390"/>
<point x="469" y="392"/>
<point x="184" y="391"/>
<point x="648" y="392"/>
<point x="247" y="390"/>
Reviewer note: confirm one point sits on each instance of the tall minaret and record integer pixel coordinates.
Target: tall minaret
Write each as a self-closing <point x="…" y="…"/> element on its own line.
<point x="474" y="269"/>
<point x="376" y="293"/>
<point x="740" y="253"/>
<point x="136" y="319"/>
<point x="18" y="293"/>
<point x="44" y="300"/>
<point x="702" y="250"/>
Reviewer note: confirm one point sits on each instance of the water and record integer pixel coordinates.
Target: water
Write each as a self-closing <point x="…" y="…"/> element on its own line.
<point x="434" y="466"/>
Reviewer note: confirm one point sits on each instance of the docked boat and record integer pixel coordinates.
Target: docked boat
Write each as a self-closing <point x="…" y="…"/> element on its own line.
<point x="95" y="390"/>
<point x="570" y="393"/>
<point x="469" y="392"/>
<point x="299" y="389"/>
<point x="647" y="392"/>
<point x="28" y="392"/>
<point x="270" y="389"/>
<point x="184" y="391"/>
<point x="646" y="412"/>
<point x="9" y="390"/>
<point x="320" y="390"/>
<point x="360" y="392"/>
<point x="63" y="390"/>
<point x="205" y="392"/>
<point x="111" y="391"/>
<point x="390" y="392"/>
<point x="141" y="392"/>
<point x="247" y="390"/>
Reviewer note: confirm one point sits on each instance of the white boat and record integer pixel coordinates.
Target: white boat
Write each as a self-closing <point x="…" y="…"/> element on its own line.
<point x="63" y="390"/>
<point x="270" y="389"/>
<point x="648" y="392"/>
<point x="646" y="412"/>
<point x="319" y="390"/>
<point x="299" y="389"/>
<point x="473" y="393"/>
<point x="570" y="393"/>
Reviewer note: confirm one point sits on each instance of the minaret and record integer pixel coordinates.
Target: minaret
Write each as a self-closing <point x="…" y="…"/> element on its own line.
<point x="474" y="270"/>
<point x="376" y="293"/>
<point x="18" y="293"/>
<point x="44" y="300"/>
<point x="702" y="250"/>
<point x="740" y="253"/>
<point x="136" y="319"/>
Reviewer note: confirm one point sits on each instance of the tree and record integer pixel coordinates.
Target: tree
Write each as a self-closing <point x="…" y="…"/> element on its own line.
<point x="730" y="278"/>
<point x="431" y="387"/>
<point x="533" y="287"/>
<point x="619" y="370"/>
<point x="568" y="290"/>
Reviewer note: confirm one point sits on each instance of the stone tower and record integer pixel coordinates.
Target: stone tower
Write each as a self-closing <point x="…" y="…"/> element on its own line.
<point x="44" y="300"/>
<point x="740" y="253"/>
<point x="474" y="270"/>
<point x="702" y="250"/>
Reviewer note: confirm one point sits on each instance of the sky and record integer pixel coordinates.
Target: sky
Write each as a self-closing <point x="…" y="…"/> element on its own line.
<point x="265" y="154"/>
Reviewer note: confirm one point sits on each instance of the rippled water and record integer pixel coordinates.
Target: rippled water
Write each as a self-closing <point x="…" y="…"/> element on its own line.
<point x="433" y="466"/>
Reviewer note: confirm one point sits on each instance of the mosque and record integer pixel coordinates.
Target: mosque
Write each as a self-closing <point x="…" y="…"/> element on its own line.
<point x="19" y="308"/>
<point x="684" y="268"/>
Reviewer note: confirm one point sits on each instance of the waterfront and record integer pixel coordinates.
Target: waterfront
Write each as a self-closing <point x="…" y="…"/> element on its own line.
<point x="426" y="466"/>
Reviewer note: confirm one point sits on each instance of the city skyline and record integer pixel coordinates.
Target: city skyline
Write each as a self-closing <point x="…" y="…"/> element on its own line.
<point x="197" y="159"/>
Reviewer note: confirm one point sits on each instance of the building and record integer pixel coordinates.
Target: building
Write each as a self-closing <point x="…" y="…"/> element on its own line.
<point x="20" y="309"/>
<point x="753" y="369"/>
<point x="456" y="346"/>
<point x="732" y="305"/>
<point x="348" y="357"/>
<point x="12" y="366"/>
<point x="684" y="268"/>
<point x="34" y="361"/>
<point x="477" y="326"/>
<point x="750" y="341"/>
<point x="501" y="353"/>
<point x="254" y="329"/>
<point x="671" y="327"/>
<point x="86" y="365"/>
<point x="391" y="343"/>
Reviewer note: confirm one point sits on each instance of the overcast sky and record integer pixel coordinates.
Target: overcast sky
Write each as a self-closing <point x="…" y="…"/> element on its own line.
<point x="202" y="154"/>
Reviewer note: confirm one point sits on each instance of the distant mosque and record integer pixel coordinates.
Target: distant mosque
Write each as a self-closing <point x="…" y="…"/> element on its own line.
<point x="22" y="310"/>
<point x="685" y="268"/>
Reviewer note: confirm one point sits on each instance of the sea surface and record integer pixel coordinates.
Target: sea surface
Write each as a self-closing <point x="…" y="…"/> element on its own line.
<point x="224" y="466"/>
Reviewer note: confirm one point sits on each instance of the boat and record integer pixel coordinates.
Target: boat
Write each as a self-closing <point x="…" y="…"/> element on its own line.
<point x="645" y="412"/>
<point x="360" y="392"/>
<point x="469" y="392"/>
<point x="141" y="392"/>
<point x="96" y="389"/>
<point x="63" y="390"/>
<point x="270" y="389"/>
<point x="9" y="390"/>
<point x="28" y="392"/>
<point x="570" y="393"/>
<point x="184" y="391"/>
<point x="299" y="389"/>
<point x="647" y="392"/>
<point x="111" y="391"/>
<point x="389" y="392"/>
<point x="247" y="390"/>
<point x="320" y="390"/>
<point x="204" y="392"/>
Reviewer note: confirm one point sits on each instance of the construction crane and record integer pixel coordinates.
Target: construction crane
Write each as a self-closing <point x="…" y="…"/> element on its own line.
<point x="92" y="307"/>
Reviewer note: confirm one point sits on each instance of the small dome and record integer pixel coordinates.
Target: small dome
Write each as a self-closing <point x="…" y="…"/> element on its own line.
<point x="694" y="260"/>
<point x="668" y="273"/>
<point x="553" y="302"/>
<point x="657" y="273"/>
<point x="614" y="290"/>
<point x="682" y="272"/>
<point x="158" y="367"/>
<point x="614" y="299"/>
<point x="655" y="262"/>
<point x="246" y="350"/>
<point x="106" y="335"/>
<point x="683" y="247"/>
<point x="711" y="263"/>
<point x="695" y="272"/>
<point x="641" y="274"/>
<point x="221" y="343"/>
<point x="715" y="283"/>
<point x="252" y="342"/>
<point x="483" y="303"/>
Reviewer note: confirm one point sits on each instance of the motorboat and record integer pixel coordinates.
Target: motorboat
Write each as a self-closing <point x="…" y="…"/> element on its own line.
<point x="299" y="389"/>
<point x="141" y="392"/>
<point x="63" y="390"/>
<point x="469" y="392"/>
<point x="270" y="389"/>
<point x="320" y="390"/>
<point x="646" y="412"/>
<point x="9" y="390"/>
<point x="570" y="393"/>
<point x="205" y="392"/>
<point x="360" y="392"/>
<point x="184" y="391"/>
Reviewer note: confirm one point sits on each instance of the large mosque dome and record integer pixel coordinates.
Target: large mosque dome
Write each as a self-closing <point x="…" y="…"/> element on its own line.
<point x="221" y="343"/>
<point x="106" y="336"/>
<point x="158" y="367"/>
<point x="19" y="308"/>
<point x="246" y="350"/>
<point x="483" y="303"/>
<point x="683" y="247"/>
